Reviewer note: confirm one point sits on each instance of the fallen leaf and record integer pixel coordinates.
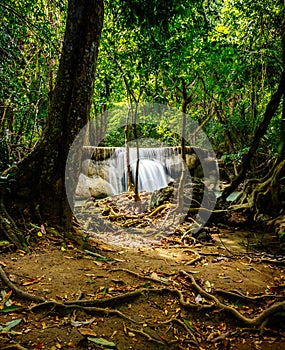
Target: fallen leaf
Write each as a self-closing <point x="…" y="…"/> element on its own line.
<point x="163" y="339"/>
<point x="6" y="297"/>
<point x="43" y="230"/>
<point x="87" y="331"/>
<point x="71" y="344"/>
<point x="6" y="328"/>
<point x="198" y="299"/>
<point x="82" y="323"/>
<point x="33" y="281"/>
<point x="102" y="341"/>
<point x="10" y="308"/>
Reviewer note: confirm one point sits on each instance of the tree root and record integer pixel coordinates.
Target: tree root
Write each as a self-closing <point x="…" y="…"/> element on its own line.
<point x="253" y="322"/>
<point x="183" y="325"/>
<point x="97" y="305"/>
<point x="262" y="196"/>
<point x="18" y="291"/>
<point x="10" y="229"/>
<point x="239" y="295"/>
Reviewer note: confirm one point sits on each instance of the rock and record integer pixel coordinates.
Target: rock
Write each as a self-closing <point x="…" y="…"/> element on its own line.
<point x="91" y="168"/>
<point x="192" y="161"/>
<point x="93" y="186"/>
<point x="161" y="196"/>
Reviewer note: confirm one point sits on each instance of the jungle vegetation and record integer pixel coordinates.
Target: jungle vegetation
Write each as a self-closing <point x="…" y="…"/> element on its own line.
<point x="61" y="63"/>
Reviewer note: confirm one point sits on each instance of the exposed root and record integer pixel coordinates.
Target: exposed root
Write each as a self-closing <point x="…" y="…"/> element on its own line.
<point x="264" y="196"/>
<point x="239" y="295"/>
<point x="18" y="291"/>
<point x="193" y="261"/>
<point x="253" y="322"/>
<point x="10" y="229"/>
<point x="101" y="306"/>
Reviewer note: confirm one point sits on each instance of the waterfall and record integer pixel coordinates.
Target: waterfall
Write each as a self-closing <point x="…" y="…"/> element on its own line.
<point x="157" y="166"/>
<point x="152" y="175"/>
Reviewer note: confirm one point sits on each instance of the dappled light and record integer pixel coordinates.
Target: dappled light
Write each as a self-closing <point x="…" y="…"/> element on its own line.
<point x="142" y="175"/>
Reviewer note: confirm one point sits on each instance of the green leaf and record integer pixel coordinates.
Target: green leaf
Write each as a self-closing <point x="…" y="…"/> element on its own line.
<point x="9" y="325"/>
<point x="98" y="256"/>
<point x="188" y="324"/>
<point x="5" y="243"/>
<point x="102" y="341"/>
<point x="11" y="308"/>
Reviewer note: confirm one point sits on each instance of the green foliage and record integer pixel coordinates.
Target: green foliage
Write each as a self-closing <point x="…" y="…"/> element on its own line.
<point x="29" y="47"/>
<point x="228" y="54"/>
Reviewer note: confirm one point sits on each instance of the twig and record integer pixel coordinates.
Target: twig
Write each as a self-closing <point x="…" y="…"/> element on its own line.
<point x="192" y="262"/>
<point x="146" y="335"/>
<point x="182" y="324"/>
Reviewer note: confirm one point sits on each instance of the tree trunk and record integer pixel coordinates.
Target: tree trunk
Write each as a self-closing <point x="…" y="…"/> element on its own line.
<point x="186" y="100"/>
<point x="40" y="178"/>
<point x="260" y="132"/>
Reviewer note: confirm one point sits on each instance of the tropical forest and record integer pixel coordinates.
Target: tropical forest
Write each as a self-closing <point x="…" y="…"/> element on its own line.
<point x="142" y="174"/>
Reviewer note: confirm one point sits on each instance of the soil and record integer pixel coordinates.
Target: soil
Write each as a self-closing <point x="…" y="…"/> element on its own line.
<point x="156" y="317"/>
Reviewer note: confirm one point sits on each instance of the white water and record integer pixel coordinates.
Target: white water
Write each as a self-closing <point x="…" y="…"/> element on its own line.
<point x="156" y="168"/>
<point x="152" y="175"/>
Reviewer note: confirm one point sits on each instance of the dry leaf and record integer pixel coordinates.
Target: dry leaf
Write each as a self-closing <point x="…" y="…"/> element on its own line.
<point x="33" y="281"/>
<point x="87" y="331"/>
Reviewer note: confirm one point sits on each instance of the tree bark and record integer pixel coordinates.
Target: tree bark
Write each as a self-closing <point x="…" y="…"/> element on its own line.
<point x="40" y="178"/>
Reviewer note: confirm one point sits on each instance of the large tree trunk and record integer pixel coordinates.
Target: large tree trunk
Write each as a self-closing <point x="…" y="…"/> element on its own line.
<point x="260" y="132"/>
<point x="40" y="177"/>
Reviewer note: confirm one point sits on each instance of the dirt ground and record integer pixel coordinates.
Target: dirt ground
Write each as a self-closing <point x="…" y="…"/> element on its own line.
<point x="160" y="307"/>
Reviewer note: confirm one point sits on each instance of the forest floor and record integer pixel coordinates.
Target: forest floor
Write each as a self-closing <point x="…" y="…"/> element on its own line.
<point x="160" y="296"/>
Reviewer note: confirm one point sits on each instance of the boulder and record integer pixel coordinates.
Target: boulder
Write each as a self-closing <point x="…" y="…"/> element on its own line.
<point x="93" y="186"/>
<point x="91" y="168"/>
<point x="161" y="196"/>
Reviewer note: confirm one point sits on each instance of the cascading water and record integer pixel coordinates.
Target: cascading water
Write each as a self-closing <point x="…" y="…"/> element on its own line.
<point x="157" y="166"/>
<point x="152" y="175"/>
